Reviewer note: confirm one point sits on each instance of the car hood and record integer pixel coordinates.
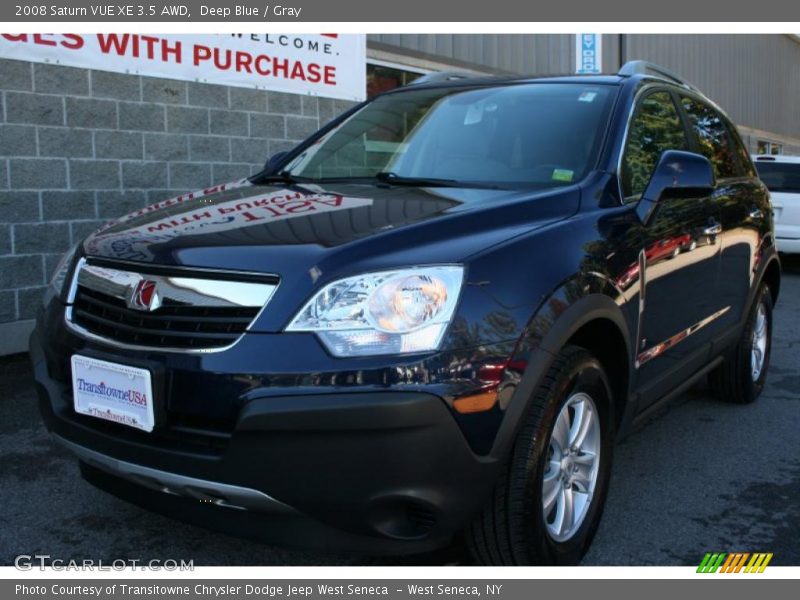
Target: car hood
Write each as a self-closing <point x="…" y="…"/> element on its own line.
<point x="291" y="229"/>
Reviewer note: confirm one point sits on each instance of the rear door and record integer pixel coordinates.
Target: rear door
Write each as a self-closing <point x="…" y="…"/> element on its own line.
<point x="741" y="203"/>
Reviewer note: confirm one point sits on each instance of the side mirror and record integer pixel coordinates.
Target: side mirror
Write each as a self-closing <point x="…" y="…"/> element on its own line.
<point x="678" y="175"/>
<point x="274" y="160"/>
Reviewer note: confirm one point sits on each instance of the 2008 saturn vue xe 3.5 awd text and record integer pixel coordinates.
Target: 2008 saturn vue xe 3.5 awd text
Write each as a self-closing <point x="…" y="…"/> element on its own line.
<point x="433" y="318"/>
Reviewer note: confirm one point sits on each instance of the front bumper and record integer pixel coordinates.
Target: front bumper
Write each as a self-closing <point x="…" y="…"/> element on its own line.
<point x="371" y="471"/>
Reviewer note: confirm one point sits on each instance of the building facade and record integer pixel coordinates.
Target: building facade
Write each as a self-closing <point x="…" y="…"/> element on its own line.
<point x="79" y="147"/>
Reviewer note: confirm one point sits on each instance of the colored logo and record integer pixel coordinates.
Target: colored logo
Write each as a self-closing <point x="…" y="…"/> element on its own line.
<point x="144" y="296"/>
<point x="734" y="562"/>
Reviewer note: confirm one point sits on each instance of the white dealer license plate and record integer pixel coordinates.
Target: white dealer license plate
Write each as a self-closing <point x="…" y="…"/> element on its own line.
<point x="114" y="392"/>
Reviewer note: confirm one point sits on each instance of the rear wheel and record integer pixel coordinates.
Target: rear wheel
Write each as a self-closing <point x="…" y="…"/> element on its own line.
<point x="547" y="505"/>
<point x="740" y="379"/>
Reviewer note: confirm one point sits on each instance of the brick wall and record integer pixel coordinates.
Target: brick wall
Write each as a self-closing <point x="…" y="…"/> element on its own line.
<point x="79" y="147"/>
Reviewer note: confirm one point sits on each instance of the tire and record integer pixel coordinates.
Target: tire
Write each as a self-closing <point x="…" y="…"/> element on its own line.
<point x="513" y="528"/>
<point x="736" y="380"/>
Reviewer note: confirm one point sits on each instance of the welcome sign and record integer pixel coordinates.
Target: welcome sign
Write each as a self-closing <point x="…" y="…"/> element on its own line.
<point x="328" y="65"/>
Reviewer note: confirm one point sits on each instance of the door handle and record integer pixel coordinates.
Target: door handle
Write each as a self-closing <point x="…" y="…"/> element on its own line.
<point x="755" y="214"/>
<point x="713" y="229"/>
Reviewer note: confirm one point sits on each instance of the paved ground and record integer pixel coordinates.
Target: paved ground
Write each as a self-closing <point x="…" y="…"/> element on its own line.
<point x="703" y="476"/>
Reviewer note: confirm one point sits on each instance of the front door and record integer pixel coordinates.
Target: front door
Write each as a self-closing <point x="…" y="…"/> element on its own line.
<point x="678" y="257"/>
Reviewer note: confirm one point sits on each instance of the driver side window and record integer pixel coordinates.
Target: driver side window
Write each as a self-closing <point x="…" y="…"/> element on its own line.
<point x="655" y="127"/>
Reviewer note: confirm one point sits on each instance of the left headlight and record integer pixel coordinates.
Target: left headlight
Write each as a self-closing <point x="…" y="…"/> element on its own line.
<point x="389" y="312"/>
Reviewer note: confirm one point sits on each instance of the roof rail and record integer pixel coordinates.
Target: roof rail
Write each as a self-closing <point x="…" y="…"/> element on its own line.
<point x="441" y="77"/>
<point x="642" y="67"/>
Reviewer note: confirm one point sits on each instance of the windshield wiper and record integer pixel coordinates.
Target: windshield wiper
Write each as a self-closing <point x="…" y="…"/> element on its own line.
<point x="282" y="177"/>
<point x="387" y="177"/>
<point x="395" y="179"/>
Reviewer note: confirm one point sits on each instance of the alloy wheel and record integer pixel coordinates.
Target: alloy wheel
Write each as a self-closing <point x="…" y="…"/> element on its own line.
<point x="758" y="352"/>
<point x="573" y="461"/>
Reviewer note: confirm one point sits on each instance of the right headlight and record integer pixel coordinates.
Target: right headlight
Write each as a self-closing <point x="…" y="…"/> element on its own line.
<point x="389" y="312"/>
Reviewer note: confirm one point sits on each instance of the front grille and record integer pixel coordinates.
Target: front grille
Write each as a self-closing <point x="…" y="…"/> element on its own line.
<point x="172" y="325"/>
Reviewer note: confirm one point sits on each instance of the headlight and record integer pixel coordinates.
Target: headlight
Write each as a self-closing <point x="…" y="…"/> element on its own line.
<point x="58" y="283"/>
<point x="391" y="312"/>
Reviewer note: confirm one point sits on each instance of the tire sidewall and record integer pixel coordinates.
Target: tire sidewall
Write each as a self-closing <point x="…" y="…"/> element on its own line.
<point x="586" y="375"/>
<point x="754" y="388"/>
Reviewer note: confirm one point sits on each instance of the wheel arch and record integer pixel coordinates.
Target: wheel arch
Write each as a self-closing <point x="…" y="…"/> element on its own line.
<point x="605" y="340"/>
<point x="596" y="322"/>
<point x="772" y="277"/>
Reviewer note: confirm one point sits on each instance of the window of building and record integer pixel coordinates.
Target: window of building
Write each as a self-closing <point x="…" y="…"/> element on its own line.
<point x="655" y="127"/>
<point x="765" y="147"/>
<point x="384" y="77"/>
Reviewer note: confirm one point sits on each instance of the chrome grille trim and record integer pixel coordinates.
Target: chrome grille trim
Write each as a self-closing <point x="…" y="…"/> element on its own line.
<point x="212" y="290"/>
<point x="188" y="290"/>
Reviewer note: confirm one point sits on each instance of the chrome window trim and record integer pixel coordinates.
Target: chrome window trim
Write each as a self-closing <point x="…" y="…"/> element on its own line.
<point x="269" y="292"/>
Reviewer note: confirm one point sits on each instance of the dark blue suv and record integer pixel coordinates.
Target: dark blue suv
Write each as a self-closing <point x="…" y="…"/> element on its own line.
<point x="432" y="318"/>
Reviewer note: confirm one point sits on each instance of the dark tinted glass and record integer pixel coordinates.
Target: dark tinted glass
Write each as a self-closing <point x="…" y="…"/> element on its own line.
<point x="714" y="138"/>
<point x="655" y="127"/>
<point x="779" y="177"/>
<point x="530" y="134"/>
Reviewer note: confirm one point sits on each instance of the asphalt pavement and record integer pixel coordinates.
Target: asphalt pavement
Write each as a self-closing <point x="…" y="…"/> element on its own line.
<point x="703" y="476"/>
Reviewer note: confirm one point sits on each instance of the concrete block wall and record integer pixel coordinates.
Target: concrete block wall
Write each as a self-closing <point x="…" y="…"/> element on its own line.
<point x="79" y="147"/>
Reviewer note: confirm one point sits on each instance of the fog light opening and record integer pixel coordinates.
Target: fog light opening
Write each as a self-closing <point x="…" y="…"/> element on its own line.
<point x="404" y="518"/>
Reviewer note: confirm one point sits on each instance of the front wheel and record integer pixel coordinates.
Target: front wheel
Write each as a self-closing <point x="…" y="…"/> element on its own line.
<point x="740" y="379"/>
<point x="547" y="504"/>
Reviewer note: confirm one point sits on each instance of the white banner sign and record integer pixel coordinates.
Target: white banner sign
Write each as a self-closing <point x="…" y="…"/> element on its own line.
<point x="327" y="65"/>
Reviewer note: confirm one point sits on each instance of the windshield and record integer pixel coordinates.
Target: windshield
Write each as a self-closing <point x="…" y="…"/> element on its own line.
<point x="780" y="177"/>
<point x="540" y="134"/>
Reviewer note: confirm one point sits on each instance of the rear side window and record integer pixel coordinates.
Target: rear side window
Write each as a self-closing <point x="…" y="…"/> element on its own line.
<point x="715" y="140"/>
<point x="780" y="177"/>
<point x="655" y="127"/>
